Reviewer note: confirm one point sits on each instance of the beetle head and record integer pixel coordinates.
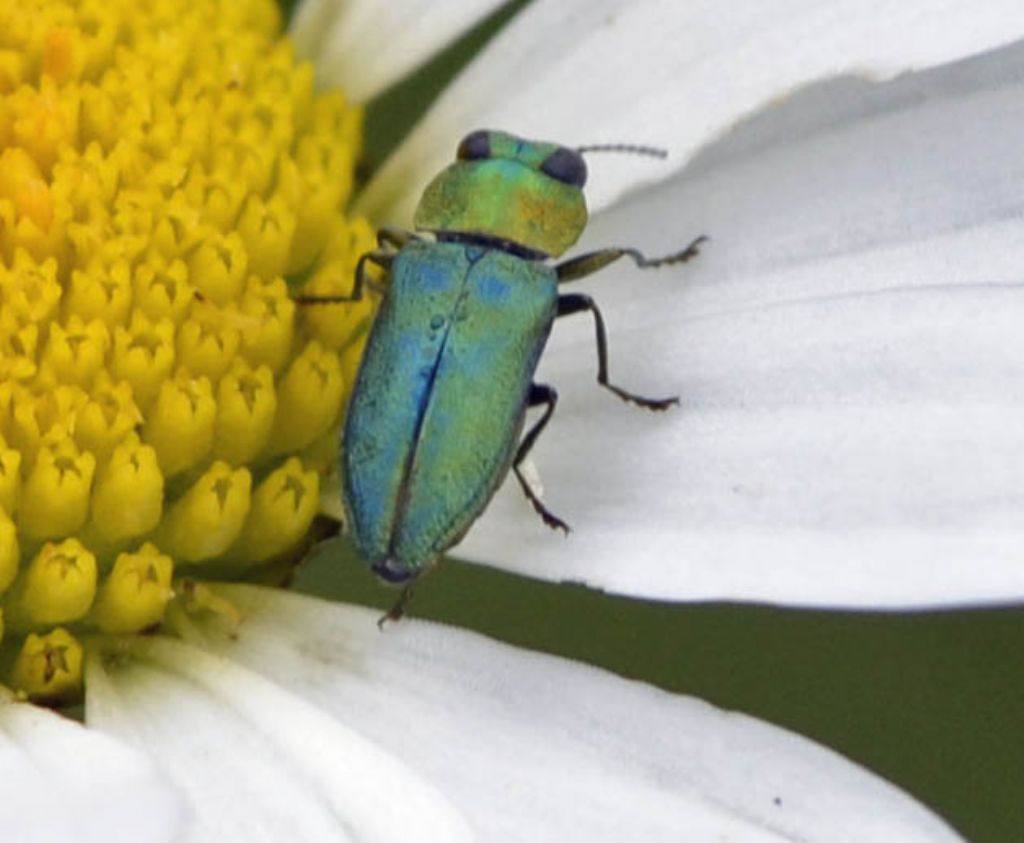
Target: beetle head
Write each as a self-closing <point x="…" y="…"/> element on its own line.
<point x="526" y="192"/>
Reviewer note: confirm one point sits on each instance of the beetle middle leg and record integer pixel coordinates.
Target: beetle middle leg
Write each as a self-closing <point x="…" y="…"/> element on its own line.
<point x="577" y="302"/>
<point x="539" y="394"/>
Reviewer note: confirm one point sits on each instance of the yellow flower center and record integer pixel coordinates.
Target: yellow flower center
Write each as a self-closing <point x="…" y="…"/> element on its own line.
<point x="167" y="178"/>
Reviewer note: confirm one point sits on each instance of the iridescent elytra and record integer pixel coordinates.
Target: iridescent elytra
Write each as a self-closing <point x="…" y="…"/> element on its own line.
<point x="436" y="416"/>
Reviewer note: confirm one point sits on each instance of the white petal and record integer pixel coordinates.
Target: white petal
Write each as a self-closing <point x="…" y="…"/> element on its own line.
<point x="256" y="762"/>
<point x="364" y="46"/>
<point x="849" y="354"/>
<point x="536" y="748"/>
<point x="63" y="782"/>
<point x="671" y="74"/>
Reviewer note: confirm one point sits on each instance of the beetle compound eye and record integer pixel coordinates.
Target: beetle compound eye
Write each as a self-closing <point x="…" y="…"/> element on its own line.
<point x="565" y="166"/>
<point x="474" y="146"/>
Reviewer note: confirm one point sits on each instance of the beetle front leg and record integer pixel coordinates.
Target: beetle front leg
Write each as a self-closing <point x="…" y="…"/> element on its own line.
<point x="396" y="238"/>
<point x="539" y="394"/>
<point x="577" y="302"/>
<point x="381" y="259"/>
<point x="593" y="262"/>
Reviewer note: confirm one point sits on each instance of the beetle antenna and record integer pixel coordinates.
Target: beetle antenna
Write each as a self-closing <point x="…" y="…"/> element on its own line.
<point x="635" y="149"/>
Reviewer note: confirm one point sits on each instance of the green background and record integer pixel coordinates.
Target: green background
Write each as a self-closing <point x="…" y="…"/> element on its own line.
<point x="931" y="701"/>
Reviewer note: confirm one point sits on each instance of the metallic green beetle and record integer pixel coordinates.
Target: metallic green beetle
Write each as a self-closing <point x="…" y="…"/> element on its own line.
<point x="440" y="401"/>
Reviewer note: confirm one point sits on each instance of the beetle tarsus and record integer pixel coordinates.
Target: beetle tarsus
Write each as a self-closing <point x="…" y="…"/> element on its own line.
<point x="549" y="518"/>
<point x="655" y="404"/>
<point x="687" y="254"/>
<point x="591" y="262"/>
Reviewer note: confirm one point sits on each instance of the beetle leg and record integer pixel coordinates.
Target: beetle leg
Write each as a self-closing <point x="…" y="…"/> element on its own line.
<point x="398" y="610"/>
<point x="381" y="259"/>
<point x="576" y="302"/>
<point x="592" y="262"/>
<point x="539" y="394"/>
<point x="396" y="238"/>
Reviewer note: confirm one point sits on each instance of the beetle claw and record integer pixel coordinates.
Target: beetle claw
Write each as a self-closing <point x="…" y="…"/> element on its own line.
<point x="558" y="524"/>
<point x="657" y="404"/>
<point x="553" y="521"/>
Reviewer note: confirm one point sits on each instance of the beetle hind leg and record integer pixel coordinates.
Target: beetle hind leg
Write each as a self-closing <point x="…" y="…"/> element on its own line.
<point x="539" y="394"/>
<point x="400" y="607"/>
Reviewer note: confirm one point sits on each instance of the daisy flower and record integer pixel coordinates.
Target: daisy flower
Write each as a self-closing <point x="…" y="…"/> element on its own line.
<point x="173" y="173"/>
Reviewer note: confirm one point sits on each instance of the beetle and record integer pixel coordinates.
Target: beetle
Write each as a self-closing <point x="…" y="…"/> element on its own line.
<point x="435" y="419"/>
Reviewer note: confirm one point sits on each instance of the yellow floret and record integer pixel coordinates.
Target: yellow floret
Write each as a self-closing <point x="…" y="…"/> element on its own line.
<point x="74" y="352"/>
<point x="246" y="406"/>
<point x="143" y="356"/>
<point x="18" y="346"/>
<point x="55" y="497"/>
<point x="10" y="553"/>
<point x="180" y="423"/>
<point x="46" y="120"/>
<point x="106" y="418"/>
<point x="208" y="343"/>
<point x="48" y="667"/>
<point x="132" y="475"/>
<point x="58" y="586"/>
<point x="30" y="288"/>
<point x="217" y="267"/>
<point x="161" y="289"/>
<point x="101" y="292"/>
<point x="10" y="479"/>
<point x="207" y="519"/>
<point x="267" y="229"/>
<point x="267" y="321"/>
<point x="283" y="507"/>
<point x="23" y="186"/>
<point x="309" y="397"/>
<point x="134" y="595"/>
